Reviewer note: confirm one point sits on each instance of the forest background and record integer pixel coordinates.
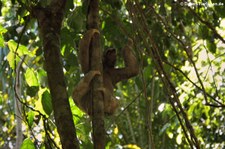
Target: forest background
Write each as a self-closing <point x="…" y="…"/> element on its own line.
<point x="176" y="101"/>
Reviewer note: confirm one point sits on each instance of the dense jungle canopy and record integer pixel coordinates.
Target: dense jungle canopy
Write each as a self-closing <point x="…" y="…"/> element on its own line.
<point x="176" y="101"/>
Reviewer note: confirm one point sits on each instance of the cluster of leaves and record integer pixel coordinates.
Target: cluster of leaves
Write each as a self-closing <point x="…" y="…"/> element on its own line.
<point x="189" y="38"/>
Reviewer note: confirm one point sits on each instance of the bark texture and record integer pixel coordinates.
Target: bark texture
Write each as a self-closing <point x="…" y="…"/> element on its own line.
<point x="96" y="64"/>
<point x="49" y="21"/>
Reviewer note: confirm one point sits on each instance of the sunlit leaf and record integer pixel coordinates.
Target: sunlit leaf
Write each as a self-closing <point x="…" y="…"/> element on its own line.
<point x="179" y="139"/>
<point x="75" y="111"/>
<point x="116" y="130"/>
<point x="108" y="145"/>
<point x="38" y="105"/>
<point x="2" y="31"/>
<point x="131" y="146"/>
<point x="16" y="53"/>
<point x="20" y="50"/>
<point x="27" y="144"/>
<point x="170" y="135"/>
<point x="30" y="118"/>
<point x="31" y="78"/>
<point x="1" y="41"/>
<point x="12" y="59"/>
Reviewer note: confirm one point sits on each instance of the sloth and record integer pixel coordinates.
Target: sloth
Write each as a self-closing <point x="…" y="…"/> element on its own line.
<point x="111" y="75"/>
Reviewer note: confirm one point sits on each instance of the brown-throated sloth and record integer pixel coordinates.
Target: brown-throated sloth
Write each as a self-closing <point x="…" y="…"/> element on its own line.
<point x="111" y="75"/>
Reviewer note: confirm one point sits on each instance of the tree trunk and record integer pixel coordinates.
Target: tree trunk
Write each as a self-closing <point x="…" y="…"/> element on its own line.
<point x="49" y="21"/>
<point x="96" y="64"/>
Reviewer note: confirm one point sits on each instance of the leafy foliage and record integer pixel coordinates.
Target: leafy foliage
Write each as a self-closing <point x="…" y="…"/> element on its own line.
<point x="182" y="42"/>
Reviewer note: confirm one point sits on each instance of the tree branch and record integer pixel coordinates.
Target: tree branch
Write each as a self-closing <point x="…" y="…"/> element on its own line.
<point x="155" y="55"/>
<point x="207" y="24"/>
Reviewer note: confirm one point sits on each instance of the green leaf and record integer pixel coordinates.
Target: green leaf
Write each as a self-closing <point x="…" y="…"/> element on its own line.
<point x="219" y="8"/>
<point x="27" y="144"/>
<point x="21" y="51"/>
<point x="75" y="111"/>
<point x="204" y="32"/>
<point x="32" y="90"/>
<point x="211" y="46"/>
<point x="77" y="19"/>
<point x="30" y="118"/>
<point x="2" y="31"/>
<point x="1" y="41"/>
<point x="15" y="54"/>
<point x="179" y="139"/>
<point x="31" y="78"/>
<point x="46" y="102"/>
<point x="12" y="59"/>
<point x="147" y="72"/>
